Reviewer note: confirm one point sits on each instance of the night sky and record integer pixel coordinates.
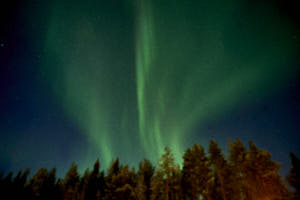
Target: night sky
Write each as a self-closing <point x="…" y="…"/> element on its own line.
<point x="81" y="80"/>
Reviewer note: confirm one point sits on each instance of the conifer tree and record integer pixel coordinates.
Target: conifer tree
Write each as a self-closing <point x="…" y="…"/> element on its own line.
<point x="145" y="174"/>
<point x="93" y="186"/>
<point x="195" y="173"/>
<point x="84" y="184"/>
<point x="71" y="184"/>
<point x="120" y="185"/>
<point x="166" y="182"/>
<point x="38" y="183"/>
<point x="114" y="168"/>
<point x="43" y="185"/>
<point x="18" y="185"/>
<point x="126" y="184"/>
<point x="237" y="156"/>
<point x="224" y="176"/>
<point x="54" y="192"/>
<point x="120" y="182"/>
<point x="213" y="191"/>
<point x="175" y="184"/>
<point x="6" y="185"/>
<point x="262" y="180"/>
<point x="294" y="176"/>
<point x="157" y="186"/>
<point x="113" y="171"/>
<point x="217" y="161"/>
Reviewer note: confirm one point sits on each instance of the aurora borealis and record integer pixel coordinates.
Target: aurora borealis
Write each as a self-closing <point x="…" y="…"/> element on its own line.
<point x="186" y="79"/>
<point x="101" y="79"/>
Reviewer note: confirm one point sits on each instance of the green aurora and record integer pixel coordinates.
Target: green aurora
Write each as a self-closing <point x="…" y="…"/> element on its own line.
<point x="148" y="72"/>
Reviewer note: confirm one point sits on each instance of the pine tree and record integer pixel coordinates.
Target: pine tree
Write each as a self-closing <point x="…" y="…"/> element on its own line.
<point x="84" y="184"/>
<point x="195" y="173"/>
<point x="175" y="184"/>
<point x="71" y="184"/>
<point x="120" y="182"/>
<point x="166" y="182"/>
<point x="43" y="185"/>
<point x="157" y="186"/>
<point x="224" y="176"/>
<point x="54" y="192"/>
<point x="145" y="174"/>
<point x="237" y="156"/>
<point x="218" y="163"/>
<point x="6" y="188"/>
<point x="126" y="184"/>
<point x="93" y="186"/>
<point x="294" y="176"/>
<point x="113" y="171"/>
<point x="262" y="180"/>
<point x="19" y="184"/>
<point x="114" y="168"/>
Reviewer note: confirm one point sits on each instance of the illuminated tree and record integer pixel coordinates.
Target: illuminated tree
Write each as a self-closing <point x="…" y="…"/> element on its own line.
<point x="262" y="180"/>
<point x="166" y="181"/>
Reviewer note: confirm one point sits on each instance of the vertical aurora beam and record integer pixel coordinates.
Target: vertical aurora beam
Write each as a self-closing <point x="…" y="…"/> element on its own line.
<point x="76" y="83"/>
<point x="145" y="55"/>
<point x="82" y="43"/>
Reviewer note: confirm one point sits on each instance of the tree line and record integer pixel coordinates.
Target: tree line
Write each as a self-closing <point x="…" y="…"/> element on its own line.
<point x="245" y="174"/>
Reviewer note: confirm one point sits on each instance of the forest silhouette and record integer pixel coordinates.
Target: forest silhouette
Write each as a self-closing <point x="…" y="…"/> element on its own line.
<point x="245" y="174"/>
